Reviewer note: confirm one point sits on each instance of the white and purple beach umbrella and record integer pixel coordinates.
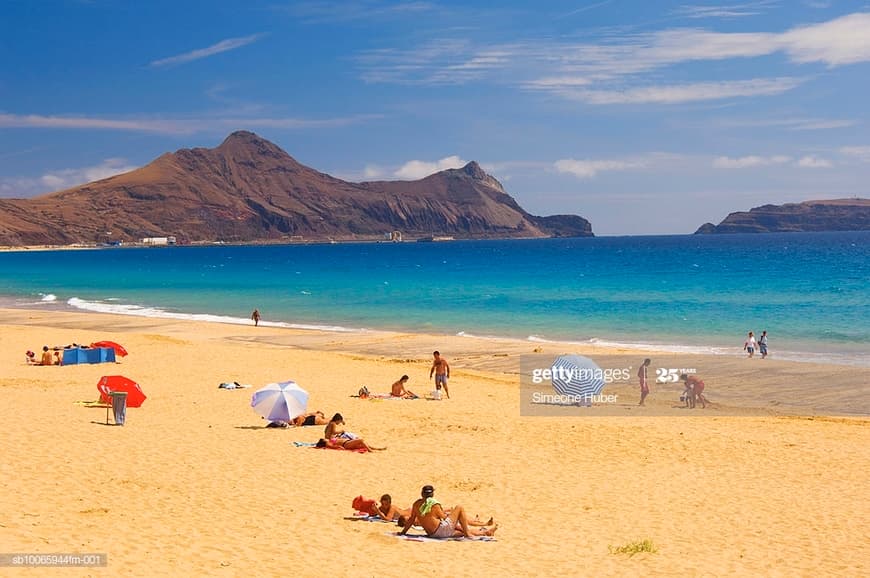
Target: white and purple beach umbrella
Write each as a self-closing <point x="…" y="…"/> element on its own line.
<point x="577" y="377"/>
<point x="280" y="401"/>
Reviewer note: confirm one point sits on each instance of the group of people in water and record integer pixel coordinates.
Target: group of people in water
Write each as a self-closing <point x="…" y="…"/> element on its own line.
<point x="751" y="344"/>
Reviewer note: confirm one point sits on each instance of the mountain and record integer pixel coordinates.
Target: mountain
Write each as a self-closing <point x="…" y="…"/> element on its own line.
<point x="832" y="215"/>
<point x="249" y="190"/>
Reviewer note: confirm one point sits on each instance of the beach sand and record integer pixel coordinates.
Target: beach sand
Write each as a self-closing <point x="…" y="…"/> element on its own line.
<point x="194" y="485"/>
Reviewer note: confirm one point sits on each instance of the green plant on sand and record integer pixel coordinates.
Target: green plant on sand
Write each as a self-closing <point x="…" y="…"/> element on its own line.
<point x="635" y="547"/>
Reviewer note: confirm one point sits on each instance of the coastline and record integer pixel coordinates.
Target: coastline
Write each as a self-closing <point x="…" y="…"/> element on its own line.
<point x="205" y="488"/>
<point x="743" y="386"/>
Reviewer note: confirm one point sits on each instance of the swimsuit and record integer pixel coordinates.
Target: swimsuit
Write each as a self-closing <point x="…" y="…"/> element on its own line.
<point x="445" y="529"/>
<point x="309" y="420"/>
<point x="440" y="378"/>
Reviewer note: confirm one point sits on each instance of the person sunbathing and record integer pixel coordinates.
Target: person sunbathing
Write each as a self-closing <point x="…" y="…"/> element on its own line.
<point x="338" y="443"/>
<point x="388" y="511"/>
<point x="428" y="513"/>
<point x="398" y="389"/>
<point x="310" y="418"/>
<point x="47" y="359"/>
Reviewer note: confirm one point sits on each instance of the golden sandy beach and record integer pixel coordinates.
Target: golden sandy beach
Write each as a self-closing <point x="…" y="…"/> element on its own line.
<point x="194" y="485"/>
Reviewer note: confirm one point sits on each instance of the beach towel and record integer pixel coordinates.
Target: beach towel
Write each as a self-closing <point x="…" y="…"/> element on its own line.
<point x="414" y="536"/>
<point x="314" y="446"/>
<point x="363" y="517"/>
<point x="359" y="451"/>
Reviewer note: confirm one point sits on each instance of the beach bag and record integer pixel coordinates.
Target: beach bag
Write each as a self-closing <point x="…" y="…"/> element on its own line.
<point x="361" y="504"/>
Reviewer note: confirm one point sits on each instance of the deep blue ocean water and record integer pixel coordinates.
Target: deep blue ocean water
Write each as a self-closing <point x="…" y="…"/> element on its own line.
<point x="810" y="291"/>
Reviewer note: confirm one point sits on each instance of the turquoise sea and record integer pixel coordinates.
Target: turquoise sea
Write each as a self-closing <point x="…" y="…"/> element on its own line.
<point x="810" y="291"/>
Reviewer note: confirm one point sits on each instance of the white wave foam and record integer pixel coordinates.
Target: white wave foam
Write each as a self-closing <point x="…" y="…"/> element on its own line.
<point x="156" y="312"/>
<point x="48" y="297"/>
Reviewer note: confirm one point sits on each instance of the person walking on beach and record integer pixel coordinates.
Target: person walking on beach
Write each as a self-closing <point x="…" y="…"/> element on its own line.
<point x="642" y="376"/>
<point x="749" y="344"/>
<point x="762" y="344"/>
<point x="441" y="369"/>
<point x="256" y="317"/>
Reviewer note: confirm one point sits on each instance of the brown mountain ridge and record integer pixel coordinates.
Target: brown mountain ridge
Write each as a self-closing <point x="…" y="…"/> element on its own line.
<point x="809" y="216"/>
<point x="249" y="190"/>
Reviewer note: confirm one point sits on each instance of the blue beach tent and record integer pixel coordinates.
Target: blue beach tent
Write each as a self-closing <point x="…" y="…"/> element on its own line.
<point x="78" y="355"/>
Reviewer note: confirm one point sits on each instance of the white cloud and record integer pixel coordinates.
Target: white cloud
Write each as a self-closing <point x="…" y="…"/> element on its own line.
<point x="845" y="40"/>
<point x="749" y="161"/>
<point x="862" y="153"/>
<point x="66" y="178"/>
<point x="175" y="126"/>
<point x="587" y="168"/>
<point x="788" y="123"/>
<point x="373" y="172"/>
<point x="686" y="93"/>
<point x="726" y="11"/>
<point x="62" y="179"/>
<point x="814" y="162"/>
<point x="618" y="64"/>
<point x="222" y="46"/>
<point x="413" y="170"/>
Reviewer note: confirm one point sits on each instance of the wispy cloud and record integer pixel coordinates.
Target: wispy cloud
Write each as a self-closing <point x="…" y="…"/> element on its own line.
<point x="750" y="161"/>
<point x="861" y="153"/>
<point x="177" y="126"/>
<point x="723" y="11"/>
<point x="788" y="123"/>
<point x="359" y="11"/>
<point x="624" y="68"/>
<point x="589" y="168"/>
<point x="416" y="169"/>
<point x="588" y="8"/>
<point x="200" y="53"/>
<point x="677" y="94"/>
<point x="754" y="161"/>
<point x="814" y="162"/>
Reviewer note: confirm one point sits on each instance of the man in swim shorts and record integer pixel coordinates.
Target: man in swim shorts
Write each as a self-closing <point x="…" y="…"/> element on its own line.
<point x="441" y="369"/>
<point x="428" y="513"/>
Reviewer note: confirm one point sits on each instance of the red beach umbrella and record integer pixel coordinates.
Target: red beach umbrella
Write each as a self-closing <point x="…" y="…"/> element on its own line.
<point x="110" y="383"/>
<point x="119" y="349"/>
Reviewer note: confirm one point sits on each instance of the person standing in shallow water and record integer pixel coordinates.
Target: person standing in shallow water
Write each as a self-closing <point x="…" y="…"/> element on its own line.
<point x="256" y="317"/>
<point x="749" y="344"/>
<point x="643" y="377"/>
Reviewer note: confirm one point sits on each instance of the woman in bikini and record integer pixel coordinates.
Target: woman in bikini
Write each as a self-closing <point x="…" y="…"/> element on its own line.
<point x="343" y="444"/>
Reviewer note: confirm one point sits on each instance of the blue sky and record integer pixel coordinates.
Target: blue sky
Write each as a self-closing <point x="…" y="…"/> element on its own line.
<point x="644" y="117"/>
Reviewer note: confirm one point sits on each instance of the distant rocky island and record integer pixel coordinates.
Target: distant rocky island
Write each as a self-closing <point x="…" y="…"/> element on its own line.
<point x="831" y="215"/>
<point x="249" y="190"/>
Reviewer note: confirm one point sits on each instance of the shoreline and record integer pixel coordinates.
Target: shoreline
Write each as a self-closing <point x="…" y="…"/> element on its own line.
<point x="826" y="357"/>
<point x="731" y="378"/>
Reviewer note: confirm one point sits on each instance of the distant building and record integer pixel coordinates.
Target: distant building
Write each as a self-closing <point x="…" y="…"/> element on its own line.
<point x="158" y="241"/>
